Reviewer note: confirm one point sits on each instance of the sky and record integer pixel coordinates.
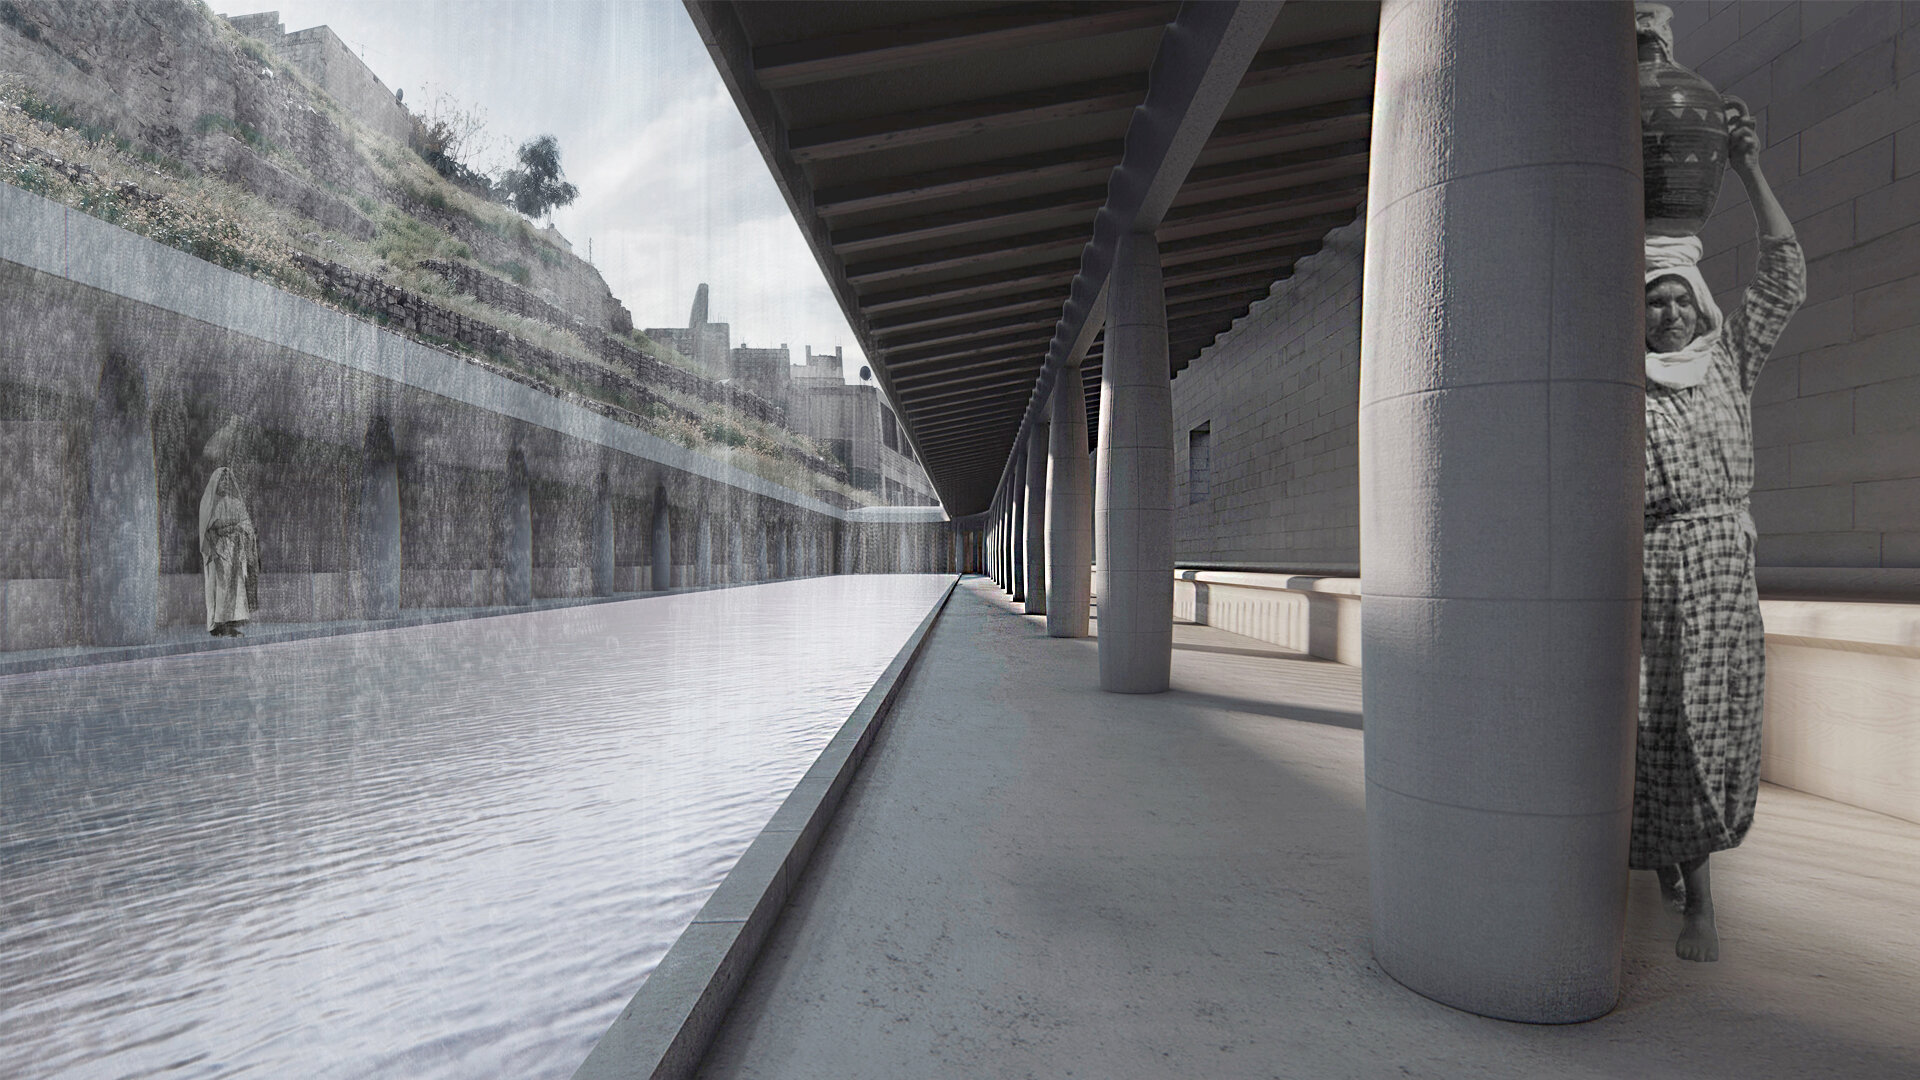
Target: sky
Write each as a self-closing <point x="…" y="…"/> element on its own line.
<point x="673" y="191"/>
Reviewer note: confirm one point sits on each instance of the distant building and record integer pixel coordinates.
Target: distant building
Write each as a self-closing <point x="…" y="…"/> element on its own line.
<point x="708" y="344"/>
<point x="852" y="421"/>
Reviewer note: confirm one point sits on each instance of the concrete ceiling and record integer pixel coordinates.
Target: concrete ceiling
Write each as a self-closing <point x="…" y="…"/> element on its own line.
<point x="961" y="171"/>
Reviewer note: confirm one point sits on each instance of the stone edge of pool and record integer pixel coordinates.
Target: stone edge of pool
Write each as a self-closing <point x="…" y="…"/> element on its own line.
<point x="663" y="1033"/>
<point x="189" y="640"/>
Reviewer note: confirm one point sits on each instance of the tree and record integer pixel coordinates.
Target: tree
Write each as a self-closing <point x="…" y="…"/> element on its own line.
<point x="535" y="188"/>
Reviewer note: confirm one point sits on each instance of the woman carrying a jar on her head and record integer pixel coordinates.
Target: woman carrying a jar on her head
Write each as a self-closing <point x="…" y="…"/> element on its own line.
<point x="229" y="555"/>
<point x="1697" y="769"/>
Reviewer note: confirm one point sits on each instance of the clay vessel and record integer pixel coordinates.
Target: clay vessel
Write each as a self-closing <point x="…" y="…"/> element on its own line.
<point x="1683" y="140"/>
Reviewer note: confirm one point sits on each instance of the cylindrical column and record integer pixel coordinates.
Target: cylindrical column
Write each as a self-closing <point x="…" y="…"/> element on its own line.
<point x="1501" y="476"/>
<point x="602" y="535"/>
<point x="517" y="523"/>
<point x="662" y="542"/>
<point x="380" y="521"/>
<point x="1069" y="510"/>
<point x="1017" y="515"/>
<point x="1134" y="479"/>
<point x="122" y="584"/>
<point x="1036" y="514"/>
<point x="703" y="552"/>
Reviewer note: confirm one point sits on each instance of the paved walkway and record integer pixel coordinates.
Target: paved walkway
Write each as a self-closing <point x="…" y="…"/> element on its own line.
<point x="1033" y="879"/>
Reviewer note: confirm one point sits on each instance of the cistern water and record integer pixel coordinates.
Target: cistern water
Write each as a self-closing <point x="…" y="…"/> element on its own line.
<point x="443" y="851"/>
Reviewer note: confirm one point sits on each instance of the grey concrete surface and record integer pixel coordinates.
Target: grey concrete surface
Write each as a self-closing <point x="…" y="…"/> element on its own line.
<point x="1501" y="466"/>
<point x="1069" y="511"/>
<point x="1038" y="447"/>
<point x="665" y="1029"/>
<point x="1030" y="878"/>
<point x="1133" y="480"/>
<point x="122" y="580"/>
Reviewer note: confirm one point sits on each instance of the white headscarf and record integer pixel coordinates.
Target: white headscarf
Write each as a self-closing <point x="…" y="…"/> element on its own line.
<point x="214" y="508"/>
<point x="1678" y="256"/>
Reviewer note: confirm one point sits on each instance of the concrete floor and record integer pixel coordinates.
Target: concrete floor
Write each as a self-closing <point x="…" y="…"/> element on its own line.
<point x="1030" y="878"/>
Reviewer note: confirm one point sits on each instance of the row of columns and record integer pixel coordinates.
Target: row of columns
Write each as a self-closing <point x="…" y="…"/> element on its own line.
<point x="1500" y="500"/>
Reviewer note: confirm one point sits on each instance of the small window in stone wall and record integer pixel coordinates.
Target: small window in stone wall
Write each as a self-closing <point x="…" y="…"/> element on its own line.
<point x="1199" y="462"/>
<point x="889" y="432"/>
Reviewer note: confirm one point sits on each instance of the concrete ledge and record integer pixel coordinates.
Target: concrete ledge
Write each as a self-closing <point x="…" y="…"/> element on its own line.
<point x="1843" y="702"/>
<point x="1319" y="616"/>
<point x="664" y="1031"/>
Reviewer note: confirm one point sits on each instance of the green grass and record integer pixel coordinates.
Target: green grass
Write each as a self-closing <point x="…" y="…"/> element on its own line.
<point x="211" y="122"/>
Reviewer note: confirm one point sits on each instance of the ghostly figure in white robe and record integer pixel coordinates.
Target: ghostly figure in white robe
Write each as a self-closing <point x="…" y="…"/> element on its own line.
<point x="229" y="554"/>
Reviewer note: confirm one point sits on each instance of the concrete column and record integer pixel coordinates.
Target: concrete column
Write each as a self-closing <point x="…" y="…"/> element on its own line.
<point x="380" y="521"/>
<point x="1501" y="486"/>
<point x="1017" y="530"/>
<point x="662" y="542"/>
<point x="122" y="583"/>
<point x="1069" y="511"/>
<point x="763" y="568"/>
<point x="703" y="552"/>
<point x="602" y="535"/>
<point x="1134" y="478"/>
<point x="517" y="522"/>
<point x="903" y="558"/>
<point x="736" y="560"/>
<point x="1036" y="514"/>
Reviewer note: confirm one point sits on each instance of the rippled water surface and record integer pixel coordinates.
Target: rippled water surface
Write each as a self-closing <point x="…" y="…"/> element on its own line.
<point x="443" y="851"/>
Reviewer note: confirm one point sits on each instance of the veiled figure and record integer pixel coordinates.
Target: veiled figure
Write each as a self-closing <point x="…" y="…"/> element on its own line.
<point x="229" y="554"/>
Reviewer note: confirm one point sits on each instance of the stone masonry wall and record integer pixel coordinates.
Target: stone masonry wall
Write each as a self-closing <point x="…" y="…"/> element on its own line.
<point x="1836" y="417"/>
<point x="1281" y="395"/>
<point x="414" y="313"/>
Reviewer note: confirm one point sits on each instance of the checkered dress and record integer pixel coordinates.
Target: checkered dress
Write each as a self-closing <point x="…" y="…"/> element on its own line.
<point x="1702" y="667"/>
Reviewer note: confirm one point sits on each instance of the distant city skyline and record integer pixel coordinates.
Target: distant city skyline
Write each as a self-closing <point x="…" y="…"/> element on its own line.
<point x="673" y="191"/>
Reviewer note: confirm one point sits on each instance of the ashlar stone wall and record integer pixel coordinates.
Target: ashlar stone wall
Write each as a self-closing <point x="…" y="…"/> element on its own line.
<point x="1280" y="396"/>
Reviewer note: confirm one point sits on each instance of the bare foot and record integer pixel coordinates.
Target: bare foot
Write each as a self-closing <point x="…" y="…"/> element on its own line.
<point x="1672" y="889"/>
<point x="1698" y="938"/>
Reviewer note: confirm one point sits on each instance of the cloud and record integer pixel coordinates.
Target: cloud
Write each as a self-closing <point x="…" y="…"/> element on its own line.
<point x="673" y="191"/>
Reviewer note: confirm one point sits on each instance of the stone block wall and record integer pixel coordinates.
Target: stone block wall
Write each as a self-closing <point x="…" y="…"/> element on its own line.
<point x="1280" y="394"/>
<point x="1836" y="417"/>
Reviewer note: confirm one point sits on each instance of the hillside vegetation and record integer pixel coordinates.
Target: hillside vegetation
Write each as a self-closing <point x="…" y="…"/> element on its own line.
<point x="163" y="119"/>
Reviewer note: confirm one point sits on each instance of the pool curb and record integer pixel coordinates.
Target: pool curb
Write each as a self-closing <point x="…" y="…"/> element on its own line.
<point x="664" y="1031"/>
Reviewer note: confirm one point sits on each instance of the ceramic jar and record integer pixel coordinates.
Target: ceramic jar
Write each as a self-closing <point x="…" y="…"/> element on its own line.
<point x="1683" y="141"/>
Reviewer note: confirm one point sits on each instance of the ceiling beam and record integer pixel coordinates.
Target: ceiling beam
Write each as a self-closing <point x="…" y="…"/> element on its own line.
<point x="966" y="256"/>
<point x="1078" y="203"/>
<point x="889" y="48"/>
<point x="891" y="130"/>
<point x="1038" y="318"/>
<point x="1091" y="159"/>
<point x="1278" y="260"/>
<point x="1053" y="273"/>
<point x="1293" y="62"/>
<point x="948" y="373"/>
<point x="1280" y="208"/>
<point x="1270" y="171"/>
<point x="1299" y="230"/>
<point x="1026" y="343"/>
<point x="1349" y="118"/>
<point x="934" y="321"/>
